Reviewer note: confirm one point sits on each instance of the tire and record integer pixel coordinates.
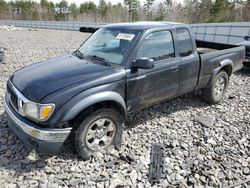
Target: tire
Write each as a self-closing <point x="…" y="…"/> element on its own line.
<point x="217" y="90"/>
<point x="89" y="136"/>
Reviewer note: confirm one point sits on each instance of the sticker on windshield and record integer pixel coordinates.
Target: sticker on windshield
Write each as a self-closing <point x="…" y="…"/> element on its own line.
<point x="125" y="36"/>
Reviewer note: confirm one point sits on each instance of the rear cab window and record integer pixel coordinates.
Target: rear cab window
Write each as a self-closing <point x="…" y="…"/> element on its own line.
<point x="157" y="46"/>
<point x="185" y="42"/>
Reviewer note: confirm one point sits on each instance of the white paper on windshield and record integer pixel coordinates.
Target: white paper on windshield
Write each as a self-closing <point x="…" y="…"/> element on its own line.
<point x="125" y="36"/>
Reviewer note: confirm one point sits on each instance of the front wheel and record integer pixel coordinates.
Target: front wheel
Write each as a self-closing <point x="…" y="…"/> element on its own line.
<point x="98" y="131"/>
<point x="217" y="90"/>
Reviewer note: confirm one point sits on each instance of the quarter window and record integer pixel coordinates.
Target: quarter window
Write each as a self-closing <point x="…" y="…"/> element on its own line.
<point x="158" y="46"/>
<point x="185" y="42"/>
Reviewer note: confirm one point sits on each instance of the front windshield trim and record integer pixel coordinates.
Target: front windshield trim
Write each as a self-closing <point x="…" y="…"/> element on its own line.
<point x="132" y="47"/>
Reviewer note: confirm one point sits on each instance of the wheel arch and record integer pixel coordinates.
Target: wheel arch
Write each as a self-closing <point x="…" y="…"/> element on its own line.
<point x="108" y="99"/>
<point x="226" y="65"/>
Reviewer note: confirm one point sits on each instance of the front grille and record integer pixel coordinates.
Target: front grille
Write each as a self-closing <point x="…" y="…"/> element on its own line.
<point x="13" y="98"/>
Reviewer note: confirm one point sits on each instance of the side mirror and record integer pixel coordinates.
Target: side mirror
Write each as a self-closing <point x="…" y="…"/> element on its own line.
<point x="246" y="37"/>
<point x="143" y="63"/>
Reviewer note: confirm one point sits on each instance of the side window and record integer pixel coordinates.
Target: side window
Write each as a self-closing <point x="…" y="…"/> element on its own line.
<point x="158" y="46"/>
<point x="185" y="42"/>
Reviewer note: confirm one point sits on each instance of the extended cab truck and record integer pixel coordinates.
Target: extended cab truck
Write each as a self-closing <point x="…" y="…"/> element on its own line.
<point x="121" y="68"/>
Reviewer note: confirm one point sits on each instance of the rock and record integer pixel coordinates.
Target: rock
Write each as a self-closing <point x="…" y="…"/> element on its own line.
<point x="99" y="155"/>
<point x="118" y="182"/>
<point x="104" y="173"/>
<point x="75" y="182"/>
<point x="196" y="176"/>
<point x="8" y="153"/>
<point x="100" y="185"/>
<point x="73" y="169"/>
<point x="124" y="158"/>
<point x="172" y="177"/>
<point x="183" y="185"/>
<point x="130" y="158"/>
<point x="246" y="171"/>
<point x="179" y="177"/>
<point x="111" y="164"/>
<point x="133" y="177"/>
<point x="211" y="141"/>
<point x="206" y="121"/>
<point x="43" y="185"/>
<point x="184" y="145"/>
<point x="175" y="143"/>
<point x="191" y="180"/>
<point x="11" y="185"/>
<point x="33" y="183"/>
<point x="140" y="185"/>
<point x="33" y="155"/>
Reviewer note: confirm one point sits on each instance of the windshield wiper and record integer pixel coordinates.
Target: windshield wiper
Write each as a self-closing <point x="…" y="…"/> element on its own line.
<point x="99" y="59"/>
<point x="79" y="54"/>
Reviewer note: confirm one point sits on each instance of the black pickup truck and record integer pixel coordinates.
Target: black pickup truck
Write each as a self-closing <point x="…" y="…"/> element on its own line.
<point x="120" y="68"/>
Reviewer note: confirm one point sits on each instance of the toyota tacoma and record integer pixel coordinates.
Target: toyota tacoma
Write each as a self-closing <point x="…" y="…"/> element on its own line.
<point x="86" y="96"/>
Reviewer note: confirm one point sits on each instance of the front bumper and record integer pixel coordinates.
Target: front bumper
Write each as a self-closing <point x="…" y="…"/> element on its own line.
<point x="46" y="141"/>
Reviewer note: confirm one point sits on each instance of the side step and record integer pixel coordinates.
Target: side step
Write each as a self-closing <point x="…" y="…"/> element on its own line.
<point x="156" y="166"/>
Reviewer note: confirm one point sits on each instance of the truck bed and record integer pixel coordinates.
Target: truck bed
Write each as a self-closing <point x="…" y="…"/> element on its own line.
<point x="206" y="46"/>
<point x="212" y="54"/>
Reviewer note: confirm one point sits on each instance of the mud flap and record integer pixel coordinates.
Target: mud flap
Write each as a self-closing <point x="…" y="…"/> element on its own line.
<point x="156" y="166"/>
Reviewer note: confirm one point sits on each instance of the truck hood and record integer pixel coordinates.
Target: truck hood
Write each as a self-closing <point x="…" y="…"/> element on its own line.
<point x="39" y="80"/>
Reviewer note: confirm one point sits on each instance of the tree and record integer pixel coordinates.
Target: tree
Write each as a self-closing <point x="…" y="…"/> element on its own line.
<point x="88" y="10"/>
<point x="167" y="5"/>
<point x="246" y="11"/>
<point x="102" y="8"/>
<point x="147" y="8"/>
<point x="26" y="9"/>
<point x="51" y="6"/>
<point x="87" y="7"/>
<point x="44" y="4"/>
<point x="73" y="10"/>
<point x="62" y="11"/>
<point x="45" y="9"/>
<point x="133" y="6"/>
<point x="160" y="12"/>
<point x="3" y="5"/>
<point x="119" y="13"/>
<point x="219" y="5"/>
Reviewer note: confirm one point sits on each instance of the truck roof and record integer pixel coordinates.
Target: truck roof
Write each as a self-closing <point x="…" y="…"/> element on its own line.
<point x="143" y="25"/>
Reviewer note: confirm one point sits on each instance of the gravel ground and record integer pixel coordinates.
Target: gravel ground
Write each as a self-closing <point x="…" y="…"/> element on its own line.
<point x="214" y="154"/>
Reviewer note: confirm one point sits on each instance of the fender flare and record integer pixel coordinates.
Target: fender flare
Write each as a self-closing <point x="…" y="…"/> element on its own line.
<point x="223" y="64"/>
<point x="94" y="99"/>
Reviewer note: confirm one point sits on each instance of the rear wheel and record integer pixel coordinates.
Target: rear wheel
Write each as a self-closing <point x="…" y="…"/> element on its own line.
<point x="98" y="131"/>
<point x="217" y="90"/>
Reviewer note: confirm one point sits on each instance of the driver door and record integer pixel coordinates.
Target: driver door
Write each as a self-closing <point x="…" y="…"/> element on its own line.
<point x="149" y="86"/>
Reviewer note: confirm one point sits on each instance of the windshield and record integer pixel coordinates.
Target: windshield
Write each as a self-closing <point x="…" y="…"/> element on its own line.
<point x="109" y="45"/>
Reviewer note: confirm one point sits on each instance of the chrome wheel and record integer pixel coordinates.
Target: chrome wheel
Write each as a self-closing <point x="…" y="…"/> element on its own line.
<point x="219" y="87"/>
<point x="101" y="134"/>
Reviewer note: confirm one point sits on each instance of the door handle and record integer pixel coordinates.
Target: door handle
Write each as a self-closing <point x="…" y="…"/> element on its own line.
<point x="174" y="69"/>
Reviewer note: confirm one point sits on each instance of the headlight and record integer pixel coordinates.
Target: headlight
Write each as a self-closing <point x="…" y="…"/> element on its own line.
<point x="40" y="112"/>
